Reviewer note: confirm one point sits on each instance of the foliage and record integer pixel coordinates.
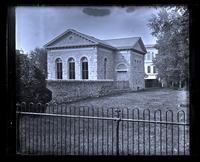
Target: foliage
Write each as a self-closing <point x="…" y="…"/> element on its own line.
<point x="171" y="28"/>
<point x="30" y="81"/>
<point x="39" y="59"/>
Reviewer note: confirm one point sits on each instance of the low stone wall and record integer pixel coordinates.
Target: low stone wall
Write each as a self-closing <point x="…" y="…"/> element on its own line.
<point x="121" y="85"/>
<point x="73" y="90"/>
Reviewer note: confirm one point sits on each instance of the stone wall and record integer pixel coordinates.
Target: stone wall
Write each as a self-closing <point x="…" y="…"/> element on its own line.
<point x="67" y="90"/>
<point x="121" y="85"/>
<point x="122" y="57"/>
<point x="137" y="71"/>
<point x="103" y="53"/>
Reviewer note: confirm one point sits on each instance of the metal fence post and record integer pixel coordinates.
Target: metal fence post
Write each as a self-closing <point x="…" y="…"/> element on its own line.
<point x="117" y="111"/>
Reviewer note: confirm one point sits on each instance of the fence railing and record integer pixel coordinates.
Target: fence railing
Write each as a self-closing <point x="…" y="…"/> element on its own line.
<point x="59" y="129"/>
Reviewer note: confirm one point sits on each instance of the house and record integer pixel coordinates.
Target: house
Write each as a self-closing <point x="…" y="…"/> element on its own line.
<point x="151" y="73"/>
<point x="81" y="66"/>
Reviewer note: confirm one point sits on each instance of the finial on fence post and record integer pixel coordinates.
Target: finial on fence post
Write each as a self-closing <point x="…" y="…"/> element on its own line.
<point x="117" y="112"/>
<point x="117" y="115"/>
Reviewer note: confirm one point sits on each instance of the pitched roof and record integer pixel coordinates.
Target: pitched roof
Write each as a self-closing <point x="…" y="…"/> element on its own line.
<point x="126" y="43"/>
<point x="120" y="43"/>
<point x="123" y="42"/>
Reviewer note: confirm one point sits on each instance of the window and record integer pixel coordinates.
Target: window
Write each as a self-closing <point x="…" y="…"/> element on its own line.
<point x="105" y="67"/>
<point x="154" y="69"/>
<point x="84" y="63"/>
<point x="148" y="69"/>
<point x="121" y="67"/>
<point x="58" y="68"/>
<point x="71" y="64"/>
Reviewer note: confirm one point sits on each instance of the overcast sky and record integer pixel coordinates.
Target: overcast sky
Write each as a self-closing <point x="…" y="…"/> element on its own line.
<point x="35" y="26"/>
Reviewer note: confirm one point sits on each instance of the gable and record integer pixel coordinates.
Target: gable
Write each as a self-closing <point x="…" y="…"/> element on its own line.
<point x="139" y="46"/>
<point x="70" y="39"/>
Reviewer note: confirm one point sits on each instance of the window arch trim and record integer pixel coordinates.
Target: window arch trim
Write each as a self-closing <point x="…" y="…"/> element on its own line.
<point x="71" y="59"/>
<point x="71" y="68"/>
<point x="84" y="68"/>
<point x="123" y="68"/>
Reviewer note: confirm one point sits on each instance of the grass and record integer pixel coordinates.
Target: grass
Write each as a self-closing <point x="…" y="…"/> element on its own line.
<point x="77" y="136"/>
<point x="151" y="98"/>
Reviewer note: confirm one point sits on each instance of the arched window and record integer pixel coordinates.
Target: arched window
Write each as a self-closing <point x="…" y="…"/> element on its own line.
<point x="121" y="67"/>
<point x="122" y="70"/>
<point x="58" y="68"/>
<point x="154" y="69"/>
<point x="84" y="66"/>
<point x="105" y="67"/>
<point x="148" y="69"/>
<point x="71" y="64"/>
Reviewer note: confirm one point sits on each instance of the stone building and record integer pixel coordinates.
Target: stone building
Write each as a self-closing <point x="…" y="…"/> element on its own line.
<point x="81" y="66"/>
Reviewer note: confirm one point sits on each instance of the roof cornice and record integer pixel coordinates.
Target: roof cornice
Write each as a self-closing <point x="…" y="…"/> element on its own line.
<point x="140" y="52"/>
<point x="72" y="46"/>
<point x="80" y="46"/>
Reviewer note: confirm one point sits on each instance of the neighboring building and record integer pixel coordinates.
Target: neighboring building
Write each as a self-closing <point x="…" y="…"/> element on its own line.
<point x="151" y="79"/>
<point x="82" y="66"/>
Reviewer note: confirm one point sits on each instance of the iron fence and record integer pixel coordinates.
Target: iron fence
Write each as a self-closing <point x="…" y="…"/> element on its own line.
<point x="59" y="129"/>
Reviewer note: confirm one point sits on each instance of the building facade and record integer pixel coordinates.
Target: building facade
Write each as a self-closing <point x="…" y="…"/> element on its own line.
<point x="151" y="79"/>
<point x="82" y="66"/>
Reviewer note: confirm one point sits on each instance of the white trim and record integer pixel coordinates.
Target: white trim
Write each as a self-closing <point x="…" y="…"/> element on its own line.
<point x="72" y="49"/>
<point x="79" y="80"/>
<point x="70" y="58"/>
<point x="121" y="69"/>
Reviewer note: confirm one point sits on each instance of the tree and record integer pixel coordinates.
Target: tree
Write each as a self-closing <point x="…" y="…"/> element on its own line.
<point x="30" y="81"/>
<point x="171" y="28"/>
<point x="39" y="58"/>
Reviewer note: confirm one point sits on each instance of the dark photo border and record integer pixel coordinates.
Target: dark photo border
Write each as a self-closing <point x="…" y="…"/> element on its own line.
<point x="8" y="81"/>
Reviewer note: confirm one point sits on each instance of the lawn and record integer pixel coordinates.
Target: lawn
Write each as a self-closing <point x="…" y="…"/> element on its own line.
<point x="151" y="98"/>
<point x="78" y="136"/>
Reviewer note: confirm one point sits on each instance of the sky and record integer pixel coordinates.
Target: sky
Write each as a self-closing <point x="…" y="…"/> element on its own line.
<point x="36" y="26"/>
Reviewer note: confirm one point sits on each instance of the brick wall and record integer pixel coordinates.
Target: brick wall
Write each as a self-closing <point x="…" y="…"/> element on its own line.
<point x="66" y="90"/>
